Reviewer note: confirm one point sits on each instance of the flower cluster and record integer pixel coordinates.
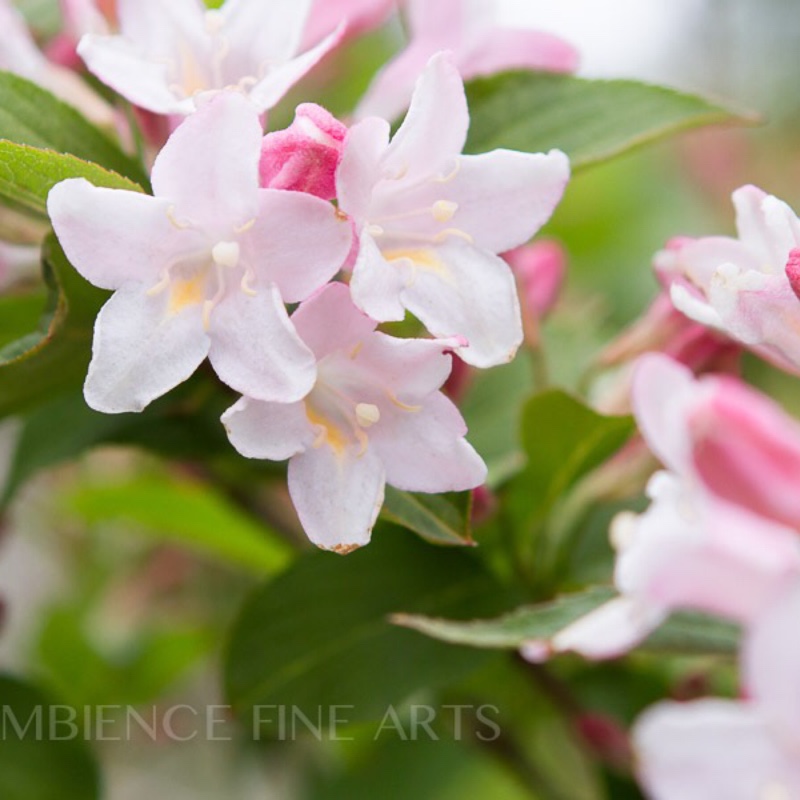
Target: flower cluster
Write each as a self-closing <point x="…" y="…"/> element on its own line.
<point x="241" y="224"/>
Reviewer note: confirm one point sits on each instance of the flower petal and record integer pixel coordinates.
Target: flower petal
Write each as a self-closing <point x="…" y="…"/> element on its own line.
<point x="256" y="350"/>
<point x="266" y="32"/>
<point x="434" y="131"/>
<point x="300" y="240"/>
<point x="377" y="285"/>
<point x="459" y="290"/>
<point x="142" y="349"/>
<point x="268" y="430"/>
<point x="113" y="237"/>
<point x="504" y="197"/>
<point x="330" y="321"/>
<point x="209" y="166"/>
<point x="360" y="167"/>
<point x="423" y="450"/>
<point x="337" y="497"/>
<point x="710" y="750"/>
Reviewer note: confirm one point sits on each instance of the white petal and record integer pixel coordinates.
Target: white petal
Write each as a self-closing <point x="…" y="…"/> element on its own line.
<point x="256" y="350"/>
<point x="337" y="497"/>
<point x="265" y="31"/>
<point x="142" y="349"/>
<point x="377" y="285"/>
<point x="273" y="431"/>
<point x="459" y="290"/>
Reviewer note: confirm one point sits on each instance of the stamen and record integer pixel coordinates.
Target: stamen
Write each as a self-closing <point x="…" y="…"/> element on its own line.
<point x="401" y="404"/>
<point x="226" y="254"/>
<point x="443" y="210"/>
<point x="175" y="222"/>
<point x="356" y="350"/>
<point x="245" y="284"/>
<point x="375" y="230"/>
<point x="442" y="235"/>
<point x="450" y="175"/>
<point x="246" y="227"/>
<point x="367" y="414"/>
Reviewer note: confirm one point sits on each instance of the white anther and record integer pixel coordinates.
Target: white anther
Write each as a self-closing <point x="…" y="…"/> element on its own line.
<point x="367" y="414"/>
<point x="226" y="254"/>
<point x="443" y="210"/>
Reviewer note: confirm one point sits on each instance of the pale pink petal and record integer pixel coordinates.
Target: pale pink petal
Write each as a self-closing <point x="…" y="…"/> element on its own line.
<point x="142" y="348"/>
<point x="360" y="16"/>
<point x="360" y="167"/>
<point x="329" y="321"/>
<point x="268" y="32"/>
<point x="376" y="284"/>
<point x="271" y="89"/>
<point x="439" y="22"/>
<point x="504" y="197"/>
<point x="125" y="68"/>
<point x="274" y="431"/>
<point x="459" y="290"/>
<point x="711" y="750"/>
<point x="434" y="131"/>
<point x="758" y="466"/>
<point x="662" y="392"/>
<point x="424" y="450"/>
<point x="161" y="27"/>
<point x="114" y="237"/>
<point x="503" y="49"/>
<point x="209" y="166"/>
<point x="771" y="662"/>
<point x="611" y="630"/>
<point x="298" y="242"/>
<point x="337" y="497"/>
<point x="256" y="350"/>
<point x="767" y="226"/>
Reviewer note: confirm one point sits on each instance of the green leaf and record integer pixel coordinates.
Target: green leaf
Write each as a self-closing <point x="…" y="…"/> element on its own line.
<point x="190" y="513"/>
<point x="319" y="635"/>
<point x="693" y="633"/>
<point x="541" y="622"/>
<point x="564" y="440"/>
<point x="32" y="116"/>
<point x="36" y="765"/>
<point x="27" y="174"/>
<point x="590" y="120"/>
<point x="54" y="359"/>
<point x="437" y="518"/>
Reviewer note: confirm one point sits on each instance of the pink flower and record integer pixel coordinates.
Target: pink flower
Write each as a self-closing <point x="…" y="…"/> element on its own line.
<point x="169" y="53"/>
<point x="740" y="287"/>
<point x="430" y="221"/>
<point x="540" y="269"/>
<point x="360" y="16"/>
<point x="479" y="47"/>
<point x="305" y="156"/>
<point x="20" y="55"/>
<point x="374" y="416"/>
<point x="200" y="269"/>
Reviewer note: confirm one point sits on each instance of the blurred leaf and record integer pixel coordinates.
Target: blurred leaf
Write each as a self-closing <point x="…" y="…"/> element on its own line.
<point x="541" y="621"/>
<point x="183" y="425"/>
<point x="493" y="425"/>
<point x="27" y="175"/>
<point x="692" y="633"/>
<point x="36" y="367"/>
<point x="564" y="440"/>
<point x="590" y="120"/>
<point x="190" y="513"/>
<point x="32" y="116"/>
<point x="35" y="765"/>
<point x="20" y="313"/>
<point x="149" y="663"/>
<point x="437" y="518"/>
<point x="318" y="635"/>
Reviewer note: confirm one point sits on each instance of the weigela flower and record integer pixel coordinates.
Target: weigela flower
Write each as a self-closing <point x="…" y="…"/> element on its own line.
<point x="169" y="53"/>
<point x="702" y="544"/>
<point x="430" y="221"/>
<point x="374" y="416"/>
<point x="359" y="16"/>
<point x="20" y="55"/>
<point x="741" y="286"/>
<point x="305" y="156"/>
<point x="200" y="269"/>
<point x="479" y="47"/>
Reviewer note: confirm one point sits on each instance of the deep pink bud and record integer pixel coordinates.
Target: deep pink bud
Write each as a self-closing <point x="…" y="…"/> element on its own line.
<point x="540" y="268"/>
<point x="606" y="738"/>
<point x="793" y="271"/>
<point x="304" y="157"/>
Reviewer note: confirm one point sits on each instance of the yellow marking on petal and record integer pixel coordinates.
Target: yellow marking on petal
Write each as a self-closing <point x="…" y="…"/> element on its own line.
<point x="401" y="404"/>
<point x="192" y="79"/>
<point x="356" y="350"/>
<point x="186" y="292"/>
<point x="367" y="414"/>
<point x="330" y="433"/>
